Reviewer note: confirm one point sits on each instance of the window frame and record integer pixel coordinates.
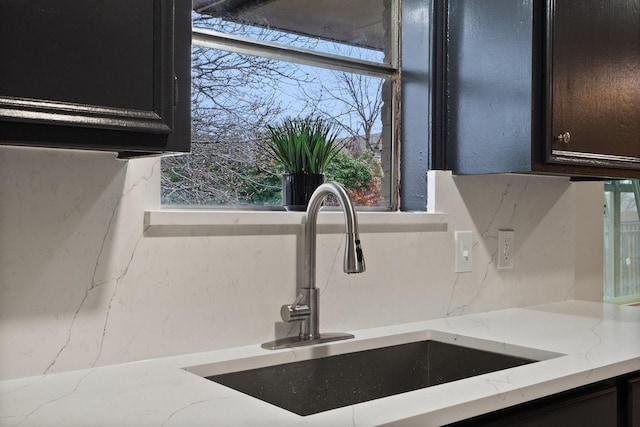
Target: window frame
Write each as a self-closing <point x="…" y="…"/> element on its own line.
<point x="232" y="43"/>
<point x="616" y="188"/>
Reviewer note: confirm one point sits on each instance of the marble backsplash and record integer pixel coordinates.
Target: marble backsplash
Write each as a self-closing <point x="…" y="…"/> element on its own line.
<point x="82" y="284"/>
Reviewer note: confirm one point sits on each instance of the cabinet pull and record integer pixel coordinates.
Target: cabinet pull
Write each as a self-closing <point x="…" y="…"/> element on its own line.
<point x="175" y="92"/>
<point x="564" y="137"/>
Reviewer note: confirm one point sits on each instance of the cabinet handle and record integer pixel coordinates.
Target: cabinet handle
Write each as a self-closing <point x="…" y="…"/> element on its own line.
<point x="564" y="137"/>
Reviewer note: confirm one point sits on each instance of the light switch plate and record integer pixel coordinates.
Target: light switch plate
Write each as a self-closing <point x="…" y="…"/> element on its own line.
<point x="464" y="246"/>
<point x="505" y="249"/>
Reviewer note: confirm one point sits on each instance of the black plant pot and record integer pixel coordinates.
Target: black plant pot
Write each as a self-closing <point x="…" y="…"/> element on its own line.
<point x="297" y="189"/>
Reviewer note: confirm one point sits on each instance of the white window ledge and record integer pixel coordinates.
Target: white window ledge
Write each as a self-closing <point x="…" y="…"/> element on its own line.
<point x="177" y="222"/>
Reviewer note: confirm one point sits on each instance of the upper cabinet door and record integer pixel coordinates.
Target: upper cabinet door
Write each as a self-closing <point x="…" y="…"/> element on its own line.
<point x="94" y="74"/>
<point x="595" y="82"/>
<point x="543" y="86"/>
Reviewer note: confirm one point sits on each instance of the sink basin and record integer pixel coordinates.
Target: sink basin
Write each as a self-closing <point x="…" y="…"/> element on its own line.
<point x="310" y="386"/>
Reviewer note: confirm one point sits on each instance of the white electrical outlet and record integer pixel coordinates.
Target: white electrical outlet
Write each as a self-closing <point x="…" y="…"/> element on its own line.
<point x="505" y="249"/>
<point x="464" y="245"/>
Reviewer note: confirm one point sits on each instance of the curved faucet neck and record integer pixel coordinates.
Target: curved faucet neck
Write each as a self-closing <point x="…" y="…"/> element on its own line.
<point x="351" y="229"/>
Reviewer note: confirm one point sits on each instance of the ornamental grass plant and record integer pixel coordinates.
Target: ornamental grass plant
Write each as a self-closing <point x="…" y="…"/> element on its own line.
<point x="303" y="145"/>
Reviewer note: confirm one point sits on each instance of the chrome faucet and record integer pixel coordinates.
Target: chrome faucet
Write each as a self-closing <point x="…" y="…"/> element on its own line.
<point x="306" y="306"/>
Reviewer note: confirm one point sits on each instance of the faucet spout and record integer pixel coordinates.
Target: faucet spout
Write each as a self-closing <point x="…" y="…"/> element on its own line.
<point x="306" y="308"/>
<point x="353" y="257"/>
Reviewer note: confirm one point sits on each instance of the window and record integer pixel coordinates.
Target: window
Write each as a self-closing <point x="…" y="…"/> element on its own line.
<point x="622" y="241"/>
<point x="256" y="63"/>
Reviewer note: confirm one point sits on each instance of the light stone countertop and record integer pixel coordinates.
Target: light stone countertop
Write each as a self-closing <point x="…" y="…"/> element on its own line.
<point x="582" y="343"/>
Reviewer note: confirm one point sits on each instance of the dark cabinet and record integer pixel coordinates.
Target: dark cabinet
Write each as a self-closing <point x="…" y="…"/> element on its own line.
<point x="107" y="75"/>
<point x="633" y="401"/>
<point x="542" y="86"/>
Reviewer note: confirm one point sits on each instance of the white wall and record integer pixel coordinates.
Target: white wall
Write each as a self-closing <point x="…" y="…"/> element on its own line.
<point x="82" y="284"/>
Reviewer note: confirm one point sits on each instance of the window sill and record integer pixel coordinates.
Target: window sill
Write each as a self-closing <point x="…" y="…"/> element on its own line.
<point x="178" y="222"/>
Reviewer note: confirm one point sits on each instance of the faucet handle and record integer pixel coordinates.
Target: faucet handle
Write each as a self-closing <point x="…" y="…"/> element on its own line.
<point x="293" y="312"/>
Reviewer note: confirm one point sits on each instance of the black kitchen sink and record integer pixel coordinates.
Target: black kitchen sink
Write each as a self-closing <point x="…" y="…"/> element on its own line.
<point x="316" y="385"/>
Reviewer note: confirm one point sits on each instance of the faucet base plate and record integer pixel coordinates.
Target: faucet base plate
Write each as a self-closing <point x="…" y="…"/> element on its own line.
<point x="292" y="342"/>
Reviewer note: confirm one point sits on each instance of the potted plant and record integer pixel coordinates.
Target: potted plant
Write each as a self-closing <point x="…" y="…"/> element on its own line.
<point x="304" y="147"/>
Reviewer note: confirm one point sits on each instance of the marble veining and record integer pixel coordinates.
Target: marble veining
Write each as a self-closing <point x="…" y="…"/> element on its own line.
<point x="102" y="258"/>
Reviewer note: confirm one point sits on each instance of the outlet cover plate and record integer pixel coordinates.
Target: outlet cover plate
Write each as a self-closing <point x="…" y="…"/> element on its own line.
<point x="505" y="249"/>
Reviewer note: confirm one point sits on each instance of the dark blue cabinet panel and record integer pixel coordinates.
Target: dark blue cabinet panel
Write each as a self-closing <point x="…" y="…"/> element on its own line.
<point x="542" y="86"/>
